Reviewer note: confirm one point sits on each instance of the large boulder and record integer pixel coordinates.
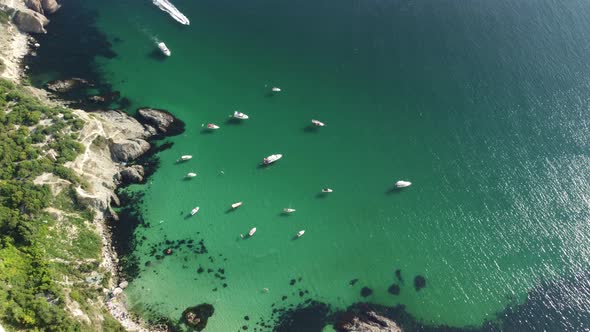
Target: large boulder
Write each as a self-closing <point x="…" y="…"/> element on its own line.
<point x="50" y="6"/>
<point x="132" y="174"/>
<point x="30" y="21"/>
<point x="367" y="322"/>
<point x="196" y="317"/>
<point x="35" y="5"/>
<point x="127" y="150"/>
<point x="159" y="119"/>
<point x="63" y="86"/>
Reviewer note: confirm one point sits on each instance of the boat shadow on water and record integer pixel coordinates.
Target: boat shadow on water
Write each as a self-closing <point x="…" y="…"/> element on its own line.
<point x="233" y="121"/>
<point x="311" y="129"/>
<point x="321" y="195"/>
<point x="157" y="55"/>
<point x="393" y="191"/>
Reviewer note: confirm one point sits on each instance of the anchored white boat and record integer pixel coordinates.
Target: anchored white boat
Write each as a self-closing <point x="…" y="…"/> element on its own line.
<point x="288" y="210"/>
<point x="402" y="184"/>
<point x="169" y="8"/>
<point x="194" y="211"/>
<point x="300" y="233"/>
<point x="191" y="175"/>
<point x="236" y="205"/>
<point x="327" y="190"/>
<point x="185" y="157"/>
<point x="275" y="89"/>
<point x="272" y="158"/>
<point x="318" y="123"/>
<point x="212" y="126"/>
<point x="240" y="115"/>
<point x="164" y="49"/>
<point x="252" y="231"/>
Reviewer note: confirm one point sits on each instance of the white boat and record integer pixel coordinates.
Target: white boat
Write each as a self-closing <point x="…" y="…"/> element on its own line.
<point x="191" y="175"/>
<point x="194" y="211"/>
<point x="212" y="126"/>
<point x="252" y="231"/>
<point x="318" y="123"/>
<point x="288" y="210"/>
<point x="272" y="158"/>
<point x="185" y="157"/>
<point x="240" y="115"/>
<point x="327" y="190"/>
<point x="275" y="89"/>
<point x="402" y="184"/>
<point x="169" y="8"/>
<point x="164" y="49"/>
<point x="300" y="233"/>
<point x="236" y="205"/>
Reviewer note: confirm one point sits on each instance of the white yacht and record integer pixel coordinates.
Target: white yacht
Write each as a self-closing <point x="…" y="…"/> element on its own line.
<point x="402" y="184"/>
<point x="252" y="231"/>
<point x="240" y="115"/>
<point x="212" y="126"/>
<point x="327" y="190"/>
<point x="272" y="158"/>
<point x="164" y="49"/>
<point x="288" y="210"/>
<point x="185" y="157"/>
<point x="191" y="175"/>
<point x="275" y="89"/>
<point x="194" y="211"/>
<point x="318" y="123"/>
<point x="300" y="233"/>
<point x="236" y="205"/>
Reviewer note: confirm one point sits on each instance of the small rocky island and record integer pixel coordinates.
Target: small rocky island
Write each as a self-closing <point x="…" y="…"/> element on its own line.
<point x="196" y="317"/>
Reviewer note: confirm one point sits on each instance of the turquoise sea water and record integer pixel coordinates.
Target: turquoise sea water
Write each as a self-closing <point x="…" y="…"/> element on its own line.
<point x="482" y="105"/>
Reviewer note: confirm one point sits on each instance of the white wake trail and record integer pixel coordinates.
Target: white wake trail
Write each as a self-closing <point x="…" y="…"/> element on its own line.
<point x="169" y="8"/>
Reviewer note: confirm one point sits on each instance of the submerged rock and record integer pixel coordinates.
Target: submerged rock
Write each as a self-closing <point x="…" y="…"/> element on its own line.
<point x="366" y="291"/>
<point x="419" y="282"/>
<point x="30" y="21"/>
<point x="366" y="322"/>
<point x="196" y="317"/>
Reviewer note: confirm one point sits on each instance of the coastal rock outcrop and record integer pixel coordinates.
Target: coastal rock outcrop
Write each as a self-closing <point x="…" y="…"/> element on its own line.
<point x="132" y="174"/>
<point x="34" y="5"/>
<point x="128" y="149"/>
<point x="367" y="322"/>
<point x="30" y="21"/>
<point x="50" y="6"/>
<point x="63" y="86"/>
<point x="159" y="119"/>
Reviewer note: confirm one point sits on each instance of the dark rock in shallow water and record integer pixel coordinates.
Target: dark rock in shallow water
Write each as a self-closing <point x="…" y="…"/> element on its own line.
<point x="398" y="275"/>
<point x="196" y="317"/>
<point x="366" y="291"/>
<point x="366" y="322"/>
<point x="394" y="289"/>
<point x="162" y="120"/>
<point x="104" y="98"/>
<point x="419" y="282"/>
<point x="353" y="282"/>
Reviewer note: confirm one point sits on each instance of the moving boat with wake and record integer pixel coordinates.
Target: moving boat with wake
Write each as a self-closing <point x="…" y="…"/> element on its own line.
<point x="169" y="8"/>
<point x="164" y="49"/>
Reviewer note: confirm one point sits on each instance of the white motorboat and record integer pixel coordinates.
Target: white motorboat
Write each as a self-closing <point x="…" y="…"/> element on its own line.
<point x="300" y="233"/>
<point x="402" y="184"/>
<point x="272" y="158"/>
<point x="318" y="123"/>
<point x="236" y="205"/>
<point x="252" y="231"/>
<point x="164" y="49"/>
<point x="327" y="190"/>
<point x="191" y="175"/>
<point x="194" y="211"/>
<point x="212" y="126"/>
<point x="169" y="8"/>
<point x="275" y="89"/>
<point x="240" y="115"/>
<point x="185" y="157"/>
<point x="288" y="210"/>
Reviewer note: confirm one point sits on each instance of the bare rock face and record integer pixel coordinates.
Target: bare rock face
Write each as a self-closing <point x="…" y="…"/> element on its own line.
<point x="161" y="120"/>
<point x="130" y="149"/>
<point x="126" y="126"/>
<point x="368" y="322"/>
<point x="50" y="6"/>
<point x="35" y="5"/>
<point x="132" y="174"/>
<point x="63" y="86"/>
<point x="30" y="21"/>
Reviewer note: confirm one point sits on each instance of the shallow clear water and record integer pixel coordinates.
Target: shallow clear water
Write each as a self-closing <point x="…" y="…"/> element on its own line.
<point x="482" y="105"/>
